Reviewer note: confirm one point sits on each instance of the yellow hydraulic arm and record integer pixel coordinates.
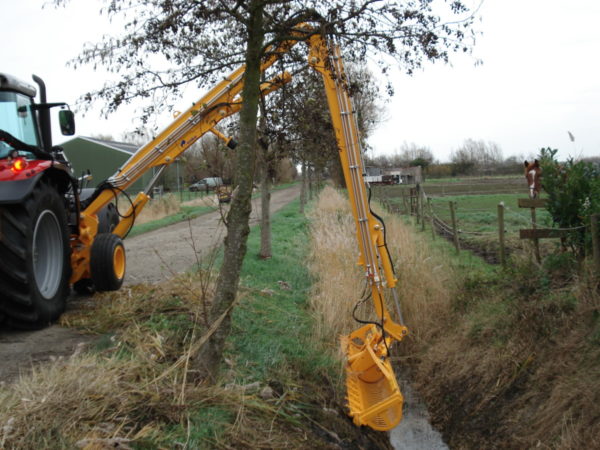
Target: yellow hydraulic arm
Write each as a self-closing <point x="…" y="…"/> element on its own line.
<point x="374" y="398"/>
<point x="202" y="117"/>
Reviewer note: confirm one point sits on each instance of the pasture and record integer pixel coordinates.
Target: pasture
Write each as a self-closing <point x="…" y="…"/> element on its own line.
<point x="476" y="203"/>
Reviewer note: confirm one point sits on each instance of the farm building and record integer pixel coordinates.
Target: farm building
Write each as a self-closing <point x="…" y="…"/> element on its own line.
<point x="102" y="158"/>
<point x="407" y="175"/>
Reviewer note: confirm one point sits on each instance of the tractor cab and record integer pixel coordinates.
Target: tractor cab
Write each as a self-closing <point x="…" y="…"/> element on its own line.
<point x="17" y="116"/>
<point x="23" y="121"/>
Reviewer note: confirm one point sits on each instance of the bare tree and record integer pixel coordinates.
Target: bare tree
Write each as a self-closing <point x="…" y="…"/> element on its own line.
<point x="169" y="43"/>
<point x="473" y="156"/>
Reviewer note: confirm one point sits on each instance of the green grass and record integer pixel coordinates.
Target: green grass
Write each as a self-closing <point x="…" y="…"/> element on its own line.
<point x="479" y="213"/>
<point x="270" y="340"/>
<point x="467" y="179"/>
<point x="205" y="426"/>
<point x="476" y="202"/>
<point x="458" y="186"/>
<point x="187" y="212"/>
<point x="272" y="327"/>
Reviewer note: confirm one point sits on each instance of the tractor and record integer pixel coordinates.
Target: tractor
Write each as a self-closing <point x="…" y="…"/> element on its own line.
<point x="40" y="204"/>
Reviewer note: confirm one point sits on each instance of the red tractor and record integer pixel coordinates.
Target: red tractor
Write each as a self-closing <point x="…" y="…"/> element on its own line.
<point x="40" y="201"/>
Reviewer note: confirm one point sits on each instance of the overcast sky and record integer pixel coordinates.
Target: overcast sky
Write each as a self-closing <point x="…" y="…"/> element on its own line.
<point x="540" y="77"/>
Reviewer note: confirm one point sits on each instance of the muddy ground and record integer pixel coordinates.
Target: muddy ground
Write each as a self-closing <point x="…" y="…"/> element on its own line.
<point x="151" y="258"/>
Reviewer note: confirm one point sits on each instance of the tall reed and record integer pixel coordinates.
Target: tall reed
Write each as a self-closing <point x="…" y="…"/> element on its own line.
<point x="425" y="283"/>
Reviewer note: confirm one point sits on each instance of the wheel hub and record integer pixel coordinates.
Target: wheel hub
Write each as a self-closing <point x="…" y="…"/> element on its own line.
<point x="47" y="254"/>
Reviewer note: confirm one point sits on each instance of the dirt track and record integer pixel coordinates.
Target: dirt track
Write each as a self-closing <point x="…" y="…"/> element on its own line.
<point x="151" y="257"/>
<point x="156" y="256"/>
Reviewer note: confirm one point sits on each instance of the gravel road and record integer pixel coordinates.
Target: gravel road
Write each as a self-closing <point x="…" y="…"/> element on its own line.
<point x="155" y="256"/>
<point x="151" y="258"/>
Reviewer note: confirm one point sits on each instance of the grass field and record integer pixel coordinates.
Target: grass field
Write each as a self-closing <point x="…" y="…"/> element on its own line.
<point x="476" y="206"/>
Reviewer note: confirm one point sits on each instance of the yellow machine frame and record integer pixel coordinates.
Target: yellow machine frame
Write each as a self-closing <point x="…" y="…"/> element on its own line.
<point x="374" y="398"/>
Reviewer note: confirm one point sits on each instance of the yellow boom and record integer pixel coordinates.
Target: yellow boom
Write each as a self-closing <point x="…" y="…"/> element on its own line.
<point x="374" y="398"/>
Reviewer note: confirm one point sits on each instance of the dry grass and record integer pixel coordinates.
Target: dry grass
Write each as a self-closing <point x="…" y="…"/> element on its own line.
<point x="156" y="209"/>
<point x="333" y="262"/>
<point x="208" y="200"/>
<point x="133" y="391"/>
<point x="184" y="294"/>
<point x="136" y="389"/>
<point x="94" y="401"/>
<point x="425" y="281"/>
<point x="129" y="391"/>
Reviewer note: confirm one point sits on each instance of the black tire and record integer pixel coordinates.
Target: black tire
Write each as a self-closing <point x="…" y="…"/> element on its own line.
<point x="107" y="262"/>
<point x="85" y="286"/>
<point x="34" y="259"/>
<point x="108" y="218"/>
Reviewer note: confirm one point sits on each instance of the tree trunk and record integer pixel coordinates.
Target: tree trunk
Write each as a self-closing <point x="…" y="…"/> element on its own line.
<point x="310" y="183"/>
<point x="265" y="219"/>
<point x="208" y="361"/>
<point x="303" y="188"/>
<point x="265" y="203"/>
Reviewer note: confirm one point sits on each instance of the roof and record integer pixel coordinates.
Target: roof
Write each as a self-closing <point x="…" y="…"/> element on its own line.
<point x="12" y="83"/>
<point x="121" y="146"/>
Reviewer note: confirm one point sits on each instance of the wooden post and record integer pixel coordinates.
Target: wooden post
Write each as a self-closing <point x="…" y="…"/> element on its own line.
<point x="595" y="219"/>
<point x="536" y="242"/>
<point x="501" y="233"/>
<point x="418" y="203"/>
<point x="404" y="202"/>
<point x="429" y="207"/>
<point x="422" y="211"/>
<point x="454" y="227"/>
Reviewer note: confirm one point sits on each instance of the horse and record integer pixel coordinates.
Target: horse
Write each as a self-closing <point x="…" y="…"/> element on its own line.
<point x="533" y="174"/>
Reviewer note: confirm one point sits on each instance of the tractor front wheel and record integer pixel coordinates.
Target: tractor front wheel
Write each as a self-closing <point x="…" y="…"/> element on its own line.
<point x="107" y="262"/>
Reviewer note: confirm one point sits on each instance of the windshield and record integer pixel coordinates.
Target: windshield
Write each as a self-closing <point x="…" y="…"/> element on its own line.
<point x="16" y="118"/>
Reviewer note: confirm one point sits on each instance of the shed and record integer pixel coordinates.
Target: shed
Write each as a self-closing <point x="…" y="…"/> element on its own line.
<point x="103" y="158"/>
<point x="408" y="175"/>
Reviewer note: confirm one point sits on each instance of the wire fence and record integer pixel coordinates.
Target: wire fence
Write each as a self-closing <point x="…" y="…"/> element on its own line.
<point x="454" y="223"/>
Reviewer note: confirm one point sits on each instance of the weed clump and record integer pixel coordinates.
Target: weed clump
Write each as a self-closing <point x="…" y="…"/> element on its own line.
<point x="518" y="368"/>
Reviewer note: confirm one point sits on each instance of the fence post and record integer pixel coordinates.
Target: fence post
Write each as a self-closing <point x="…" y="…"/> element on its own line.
<point x="454" y="227"/>
<point x="501" y="233"/>
<point x="422" y="210"/>
<point x="595" y="219"/>
<point x="430" y="208"/>
<point x="418" y="207"/>
<point x="536" y="242"/>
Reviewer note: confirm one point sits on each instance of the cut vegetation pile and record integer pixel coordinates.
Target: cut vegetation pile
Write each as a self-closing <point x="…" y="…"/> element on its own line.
<point x="278" y="387"/>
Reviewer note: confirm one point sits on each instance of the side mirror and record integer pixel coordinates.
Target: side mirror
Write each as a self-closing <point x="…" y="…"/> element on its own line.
<point x="66" y="118"/>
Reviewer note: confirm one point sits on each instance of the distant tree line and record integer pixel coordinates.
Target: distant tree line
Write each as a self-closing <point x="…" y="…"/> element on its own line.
<point x="473" y="157"/>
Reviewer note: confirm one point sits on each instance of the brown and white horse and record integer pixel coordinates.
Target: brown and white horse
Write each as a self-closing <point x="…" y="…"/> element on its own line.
<point x="533" y="174"/>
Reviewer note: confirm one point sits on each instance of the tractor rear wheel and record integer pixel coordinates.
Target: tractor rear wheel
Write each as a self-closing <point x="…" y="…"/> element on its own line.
<point x="107" y="262"/>
<point x="34" y="258"/>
